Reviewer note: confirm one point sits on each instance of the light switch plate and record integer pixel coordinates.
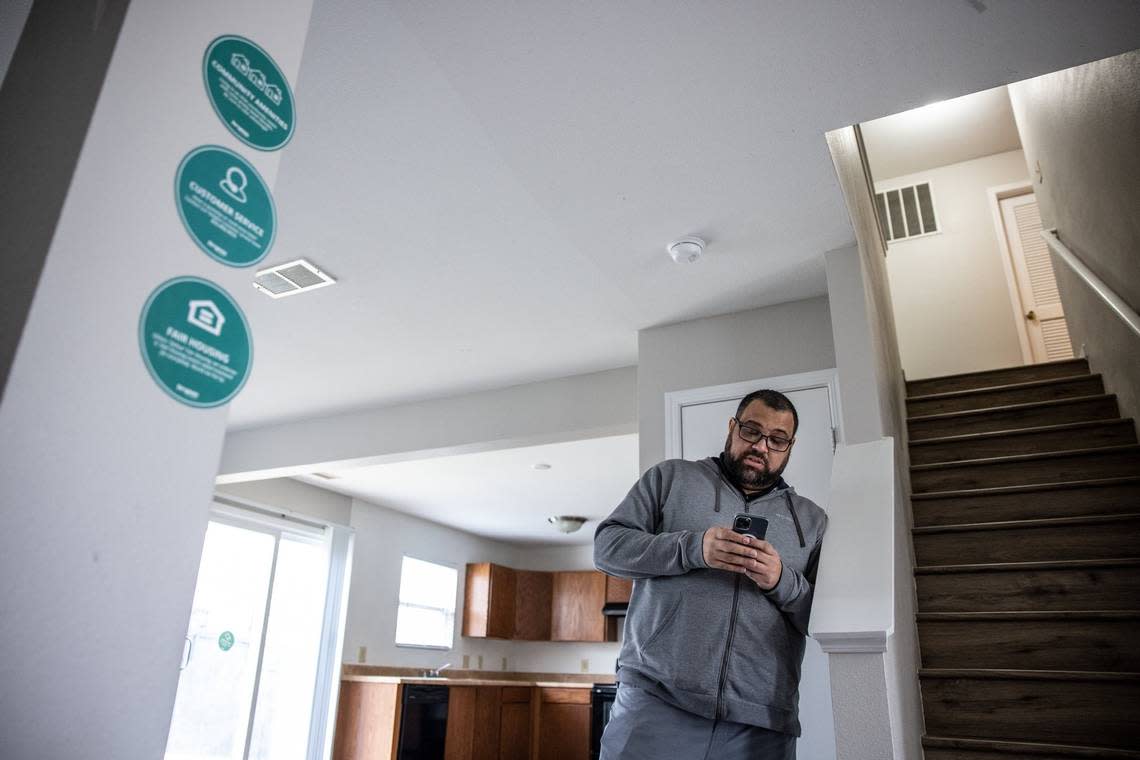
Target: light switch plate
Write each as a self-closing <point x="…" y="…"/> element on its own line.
<point x="504" y="663"/>
<point x="467" y="662"/>
<point x="585" y="666"/>
<point x="479" y="660"/>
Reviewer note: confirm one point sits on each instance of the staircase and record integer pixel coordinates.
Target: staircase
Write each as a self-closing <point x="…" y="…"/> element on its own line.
<point x="1026" y="500"/>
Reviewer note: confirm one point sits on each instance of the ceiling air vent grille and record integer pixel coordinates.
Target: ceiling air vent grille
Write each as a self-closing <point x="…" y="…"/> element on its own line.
<point x="290" y="278"/>
<point x="906" y="212"/>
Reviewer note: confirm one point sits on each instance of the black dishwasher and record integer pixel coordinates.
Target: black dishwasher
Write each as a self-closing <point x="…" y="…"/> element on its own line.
<point x="423" y="725"/>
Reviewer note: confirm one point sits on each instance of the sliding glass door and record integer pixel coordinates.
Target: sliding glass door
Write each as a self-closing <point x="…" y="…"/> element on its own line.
<point x="255" y="642"/>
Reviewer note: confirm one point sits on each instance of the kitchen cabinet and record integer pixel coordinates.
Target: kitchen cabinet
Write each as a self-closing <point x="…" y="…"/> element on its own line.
<point x="564" y="724"/>
<point x="367" y="721"/>
<point x="473" y="723"/>
<point x="489" y="601"/>
<point x="618" y="590"/>
<point x="533" y="596"/>
<point x="515" y="723"/>
<point x="577" y="601"/>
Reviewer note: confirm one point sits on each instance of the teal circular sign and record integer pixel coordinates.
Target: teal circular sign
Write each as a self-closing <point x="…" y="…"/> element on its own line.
<point x="225" y="206"/>
<point x="249" y="93"/>
<point x="225" y="641"/>
<point x="195" y="342"/>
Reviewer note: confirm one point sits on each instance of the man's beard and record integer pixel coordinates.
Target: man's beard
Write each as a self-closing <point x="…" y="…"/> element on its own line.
<point x="747" y="477"/>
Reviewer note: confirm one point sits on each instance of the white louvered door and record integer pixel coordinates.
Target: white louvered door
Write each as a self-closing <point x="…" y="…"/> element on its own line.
<point x="1037" y="287"/>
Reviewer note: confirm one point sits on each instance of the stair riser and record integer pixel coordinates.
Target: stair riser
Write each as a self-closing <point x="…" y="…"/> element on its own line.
<point x="1102" y="588"/>
<point x="1005" y="376"/>
<point x="932" y="753"/>
<point x="1059" y="469"/>
<point x="1072" y="712"/>
<point x="1034" y="544"/>
<point x="1062" y="502"/>
<point x="1081" y="386"/>
<point x="1114" y="434"/>
<point x="1082" y="644"/>
<point x="1101" y="408"/>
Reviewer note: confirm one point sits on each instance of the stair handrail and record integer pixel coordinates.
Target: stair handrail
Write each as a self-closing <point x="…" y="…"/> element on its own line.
<point x="1107" y="294"/>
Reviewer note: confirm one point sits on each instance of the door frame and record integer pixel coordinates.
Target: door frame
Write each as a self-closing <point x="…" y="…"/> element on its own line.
<point x="994" y="196"/>
<point x="676" y="401"/>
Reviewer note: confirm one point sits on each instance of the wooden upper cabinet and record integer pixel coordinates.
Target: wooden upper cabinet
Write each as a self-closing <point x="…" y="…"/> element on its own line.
<point x="618" y="590"/>
<point x="533" y="598"/>
<point x="576" y="613"/>
<point x="489" y="601"/>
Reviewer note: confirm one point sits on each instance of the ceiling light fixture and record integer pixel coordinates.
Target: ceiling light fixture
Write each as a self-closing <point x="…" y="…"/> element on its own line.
<point x="567" y="523"/>
<point x="686" y="250"/>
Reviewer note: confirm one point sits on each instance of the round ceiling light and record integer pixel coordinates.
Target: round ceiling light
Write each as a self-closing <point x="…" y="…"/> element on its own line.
<point x="567" y="523"/>
<point x="686" y="250"/>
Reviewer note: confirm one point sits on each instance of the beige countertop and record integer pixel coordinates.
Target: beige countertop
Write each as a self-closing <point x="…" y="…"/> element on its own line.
<point x="466" y="681"/>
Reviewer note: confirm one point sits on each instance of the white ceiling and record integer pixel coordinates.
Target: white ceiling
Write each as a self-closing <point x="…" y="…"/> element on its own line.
<point x="939" y="134"/>
<point x="494" y="183"/>
<point x="498" y="494"/>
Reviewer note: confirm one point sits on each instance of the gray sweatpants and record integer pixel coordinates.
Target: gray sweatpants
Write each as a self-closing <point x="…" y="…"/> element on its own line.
<point x="642" y="727"/>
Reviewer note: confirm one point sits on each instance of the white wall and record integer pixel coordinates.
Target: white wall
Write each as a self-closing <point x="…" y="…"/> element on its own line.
<point x="775" y="340"/>
<point x="105" y="480"/>
<point x="950" y="293"/>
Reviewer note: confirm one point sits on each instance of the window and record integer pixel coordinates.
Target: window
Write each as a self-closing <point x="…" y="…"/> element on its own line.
<point x="906" y="212"/>
<point x="426" y="617"/>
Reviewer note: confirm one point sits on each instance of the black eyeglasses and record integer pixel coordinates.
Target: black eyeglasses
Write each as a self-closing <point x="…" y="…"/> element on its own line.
<point x="753" y="434"/>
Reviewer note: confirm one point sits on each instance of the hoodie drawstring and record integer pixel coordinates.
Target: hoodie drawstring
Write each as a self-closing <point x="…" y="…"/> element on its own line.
<point x="795" y="518"/>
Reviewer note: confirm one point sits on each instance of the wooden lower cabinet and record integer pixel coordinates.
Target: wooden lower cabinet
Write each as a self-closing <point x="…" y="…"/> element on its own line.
<point x="473" y="723"/>
<point x="515" y="723"/>
<point x="367" y="720"/>
<point x="564" y="724"/>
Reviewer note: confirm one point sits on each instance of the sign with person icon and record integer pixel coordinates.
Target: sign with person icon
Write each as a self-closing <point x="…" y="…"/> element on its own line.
<point x="225" y="206"/>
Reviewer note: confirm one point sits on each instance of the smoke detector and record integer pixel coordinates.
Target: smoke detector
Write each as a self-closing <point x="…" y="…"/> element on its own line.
<point x="686" y="250"/>
<point x="291" y="278"/>
<point x="567" y="523"/>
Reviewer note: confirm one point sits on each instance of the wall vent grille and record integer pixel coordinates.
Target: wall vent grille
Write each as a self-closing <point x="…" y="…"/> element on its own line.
<point x="907" y="212"/>
<point x="290" y="278"/>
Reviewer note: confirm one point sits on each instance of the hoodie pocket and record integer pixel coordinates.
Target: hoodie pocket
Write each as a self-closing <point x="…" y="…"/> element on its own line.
<point x="663" y="625"/>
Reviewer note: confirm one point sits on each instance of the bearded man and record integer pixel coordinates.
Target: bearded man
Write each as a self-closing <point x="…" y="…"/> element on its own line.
<point x="715" y="633"/>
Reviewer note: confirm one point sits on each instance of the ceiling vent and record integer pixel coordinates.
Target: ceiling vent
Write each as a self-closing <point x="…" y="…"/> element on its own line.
<point x="291" y="278"/>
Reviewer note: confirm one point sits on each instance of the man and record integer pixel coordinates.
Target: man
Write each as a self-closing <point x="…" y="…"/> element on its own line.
<point x="714" y="640"/>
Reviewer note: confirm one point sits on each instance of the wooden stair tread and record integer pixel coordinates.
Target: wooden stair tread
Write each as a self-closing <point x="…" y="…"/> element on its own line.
<point x="1010" y="407"/>
<point x="1002" y="388"/>
<point x="1037" y="455"/>
<point x="984" y="372"/>
<point x="1034" y="523"/>
<point x="1029" y="748"/>
<point x="994" y="490"/>
<point x="964" y="617"/>
<point x="1017" y="431"/>
<point x="1027" y="675"/>
<point x="1068" y="564"/>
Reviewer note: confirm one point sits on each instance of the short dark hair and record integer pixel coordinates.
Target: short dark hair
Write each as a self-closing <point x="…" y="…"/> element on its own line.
<point x="773" y="400"/>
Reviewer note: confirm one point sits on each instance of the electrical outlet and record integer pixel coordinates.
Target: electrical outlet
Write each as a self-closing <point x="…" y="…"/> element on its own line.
<point x="504" y="663"/>
<point x="362" y="654"/>
<point x="479" y="661"/>
<point x="467" y="662"/>
<point x="585" y="666"/>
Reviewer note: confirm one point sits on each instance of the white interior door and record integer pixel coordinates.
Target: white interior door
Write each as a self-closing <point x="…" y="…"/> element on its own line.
<point x="1036" y="283"/>
<point x="703" y="427"/>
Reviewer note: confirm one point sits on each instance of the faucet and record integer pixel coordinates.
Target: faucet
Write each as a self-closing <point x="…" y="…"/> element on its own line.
<point x="437" y="672"/>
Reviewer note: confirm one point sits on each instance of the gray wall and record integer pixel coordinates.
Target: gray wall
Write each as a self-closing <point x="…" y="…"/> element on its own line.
<point x="748" y="345"/>
<point x="1080" y="126"/>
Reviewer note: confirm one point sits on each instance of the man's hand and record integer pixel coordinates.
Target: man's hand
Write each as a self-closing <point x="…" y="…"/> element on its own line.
<point x="725" y="549"/>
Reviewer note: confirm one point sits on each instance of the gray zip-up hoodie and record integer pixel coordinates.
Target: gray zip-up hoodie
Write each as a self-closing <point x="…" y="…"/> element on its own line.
<point x="705" y="640"/>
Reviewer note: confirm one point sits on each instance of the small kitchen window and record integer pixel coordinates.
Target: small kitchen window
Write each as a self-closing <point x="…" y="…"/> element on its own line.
<point x="426" y="616"/>
<point x="906" y="212"/>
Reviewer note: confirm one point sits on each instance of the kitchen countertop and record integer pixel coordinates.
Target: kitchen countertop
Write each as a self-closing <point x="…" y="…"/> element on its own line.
<point x="466" y="681"/>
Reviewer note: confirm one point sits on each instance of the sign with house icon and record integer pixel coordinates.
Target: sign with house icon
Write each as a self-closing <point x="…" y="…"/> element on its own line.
<point x="248" y="92"/>
<point x="195" y="342"/>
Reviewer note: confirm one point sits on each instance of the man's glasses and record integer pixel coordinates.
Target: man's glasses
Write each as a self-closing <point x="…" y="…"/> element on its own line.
<point x="753" y="434"/>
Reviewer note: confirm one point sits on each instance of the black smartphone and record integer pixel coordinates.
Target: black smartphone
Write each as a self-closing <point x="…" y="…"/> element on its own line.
<point x="750" y="525"/>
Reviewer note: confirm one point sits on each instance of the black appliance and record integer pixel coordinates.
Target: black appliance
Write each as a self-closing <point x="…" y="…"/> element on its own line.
<point x="601" y="702"/>
<point x="423" y="725"/>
